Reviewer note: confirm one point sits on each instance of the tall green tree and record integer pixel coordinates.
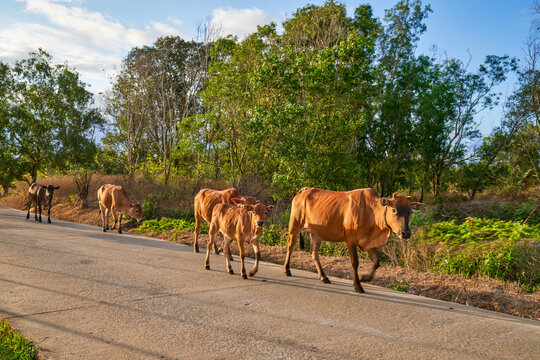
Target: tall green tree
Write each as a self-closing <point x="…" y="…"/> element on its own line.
<point x="155" y="91"/>
<point x="50" y="116"/>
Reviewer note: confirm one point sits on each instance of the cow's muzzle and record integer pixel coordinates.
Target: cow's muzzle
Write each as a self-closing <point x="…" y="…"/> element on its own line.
<point x="260" y="223"/>
<point x="406" y="234"/>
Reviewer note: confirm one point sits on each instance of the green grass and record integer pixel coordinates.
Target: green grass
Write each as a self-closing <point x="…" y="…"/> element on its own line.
<point x="164" y="225"/>
<point x="505" y="250"/>
<point x="13" y="346"/>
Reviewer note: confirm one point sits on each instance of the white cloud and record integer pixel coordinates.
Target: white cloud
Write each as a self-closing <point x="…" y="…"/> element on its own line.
<point x="90" y="41"/>
<point x="240" y="22"/>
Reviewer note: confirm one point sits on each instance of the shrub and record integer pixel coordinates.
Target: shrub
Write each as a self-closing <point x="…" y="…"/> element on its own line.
<point x="150" y="206"/>
<point x="499" y="249"/>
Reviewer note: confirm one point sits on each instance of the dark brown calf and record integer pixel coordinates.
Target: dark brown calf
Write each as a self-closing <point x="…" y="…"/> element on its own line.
<point x="40" y="195"/>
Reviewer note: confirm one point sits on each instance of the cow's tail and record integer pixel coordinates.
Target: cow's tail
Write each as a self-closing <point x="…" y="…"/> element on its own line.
<point x="301" y="242"/>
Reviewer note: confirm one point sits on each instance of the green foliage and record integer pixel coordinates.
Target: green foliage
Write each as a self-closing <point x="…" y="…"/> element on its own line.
<point x="185" y="213"/>
<point x="400" y="285"/>
<point x="150" y="206"/>
<point x="50" y="115"/>
<point x="13" y="346"/>
<point x="484" y="247"/>
<point x="165" y="225"/>
<point x="518" y="211"/>
<point x="273" y="235"/>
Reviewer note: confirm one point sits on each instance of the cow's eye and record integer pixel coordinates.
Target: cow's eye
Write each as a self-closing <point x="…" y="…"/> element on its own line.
<point x="393" y="211"/>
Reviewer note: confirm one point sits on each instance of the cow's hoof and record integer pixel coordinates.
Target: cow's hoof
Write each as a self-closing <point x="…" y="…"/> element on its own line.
<point x="231" y="258"/>
<point x="231" y="272"/>
<point x="40" y="220"/>
<point x="207" y="267"/>
<point x="104" y="230"/>
<point x="288" y="272"/>
<point x="216" y="252"/>
<point x="49" y="221"/>
<point x="196" y="249"/>
<point x="27" y="217"/>
<point x="251" y="274"/>
<point x="119" y="231"/>
<point x="359" y="289"/>
<point x="325" y="280"/>
<point x="366" y="278"/>
<point x="244" y="276"/>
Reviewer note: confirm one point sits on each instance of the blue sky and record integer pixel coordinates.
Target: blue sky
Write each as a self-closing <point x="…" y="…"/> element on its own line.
<point x="94" y="35"/>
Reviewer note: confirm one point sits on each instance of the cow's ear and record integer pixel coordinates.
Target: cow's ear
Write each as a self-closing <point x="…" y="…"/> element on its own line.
<point x="44" y="187"/>
<point x="56" y="187"/>
<point x="408" y="198"/>
<point x="384" y="201"/>
<point x="416" y="206"/>
<point x="269" y="207"/>
<point x="236" y="201"/>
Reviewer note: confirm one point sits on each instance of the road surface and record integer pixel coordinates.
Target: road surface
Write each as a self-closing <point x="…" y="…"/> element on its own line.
<point x="84" y="294"/>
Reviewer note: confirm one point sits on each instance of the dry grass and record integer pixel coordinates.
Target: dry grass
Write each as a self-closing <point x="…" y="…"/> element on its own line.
<point x="485" y="292"/>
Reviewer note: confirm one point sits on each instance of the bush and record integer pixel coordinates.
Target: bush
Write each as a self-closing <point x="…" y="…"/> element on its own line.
<point x="165" y="225"/>
<point x="150" y="206"/>
<point x="499" y="249"/>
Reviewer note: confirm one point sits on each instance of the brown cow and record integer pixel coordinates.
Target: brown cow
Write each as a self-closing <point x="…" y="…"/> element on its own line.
<point x="243" y="223"/>
<point x="40" y="195"/>
<point x="205" y="201"/>
<point x="359" y="218"/>
<point x="113" y="198"/>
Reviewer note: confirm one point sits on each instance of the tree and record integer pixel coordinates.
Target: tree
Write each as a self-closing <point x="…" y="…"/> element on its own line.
<point x="156" y="89"/>
<point x="49" y="115"/>
<point x="285" y="109"/>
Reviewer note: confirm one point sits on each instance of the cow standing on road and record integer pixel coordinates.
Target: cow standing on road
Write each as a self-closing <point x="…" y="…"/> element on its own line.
<point x="204" y="204"/>
<point x="359" y="217"/>
<point x="242" y="223"/>
<point x="40" y="195"/>
<point x="113" y="198"/>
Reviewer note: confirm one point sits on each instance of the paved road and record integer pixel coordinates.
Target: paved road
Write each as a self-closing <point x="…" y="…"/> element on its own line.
<point x="83" y="294"/>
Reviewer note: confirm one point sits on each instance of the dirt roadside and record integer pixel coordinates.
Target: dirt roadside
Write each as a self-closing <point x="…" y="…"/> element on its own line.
<point x="483" y="292"/>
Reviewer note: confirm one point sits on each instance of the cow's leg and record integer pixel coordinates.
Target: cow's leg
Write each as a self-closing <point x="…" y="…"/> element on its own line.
<point x="293" y="235"/>
<point x="354" y="262"/>
<point x="49" y="212"/>
<point x="119" y="222"/>
<point x="107" y="211"/>
<point x="29" y="204"/>
<point x="226" y="250"/>
<point x="36" y="210"/>
<point x="39" y="206"/>
<point x="375" y="258"/>
<point x="113" y="211"/>
<point x="315" y="246"/>
<point x="230" y="252"/>
<point x="198" y="220"/>
<point x="242" y="256"/>
<point x="212" y="230"/>
<point x="257" y="258"/>
<point x="102" y="213"/>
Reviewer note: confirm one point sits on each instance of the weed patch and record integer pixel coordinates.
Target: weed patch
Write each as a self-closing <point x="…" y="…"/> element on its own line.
<point x="505" y="250"/>
<point x="13" y="346"/>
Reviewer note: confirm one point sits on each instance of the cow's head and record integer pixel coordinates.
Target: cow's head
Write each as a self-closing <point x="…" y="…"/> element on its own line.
<point x="135" y="211"/>
<point x="258" y="211"/>
<point x="397" y="211"/>
<point x="49" y="192"/>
